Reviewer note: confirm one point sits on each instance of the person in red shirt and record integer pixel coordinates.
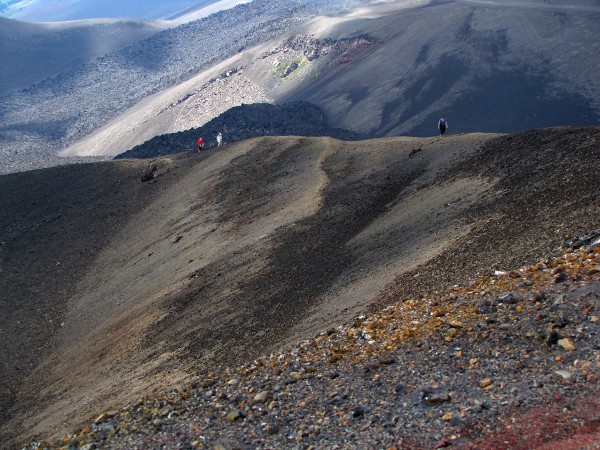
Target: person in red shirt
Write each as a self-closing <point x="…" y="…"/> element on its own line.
<point x="200" y="144"/>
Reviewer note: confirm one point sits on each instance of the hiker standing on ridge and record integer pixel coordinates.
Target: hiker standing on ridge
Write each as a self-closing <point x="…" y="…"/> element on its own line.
<point x="200" y="144"/>
<point x="442" y="125"/>
<point x="219" y="139"/>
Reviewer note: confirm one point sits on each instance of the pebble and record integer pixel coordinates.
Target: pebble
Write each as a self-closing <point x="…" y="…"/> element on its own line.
<point x="235" y="415"/>
<point x="451" y="333"/>
<point x="566" y="344"/>
<point x="261" y="397"/>
<point x="563" y="373"/>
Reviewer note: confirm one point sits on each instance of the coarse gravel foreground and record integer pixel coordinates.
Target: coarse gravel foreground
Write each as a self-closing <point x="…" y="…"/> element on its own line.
<point x="510" y="361"/>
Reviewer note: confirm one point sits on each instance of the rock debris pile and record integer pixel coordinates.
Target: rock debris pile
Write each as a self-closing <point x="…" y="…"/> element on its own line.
<point x="510" y="361"/>
<point x="245" y="122"/>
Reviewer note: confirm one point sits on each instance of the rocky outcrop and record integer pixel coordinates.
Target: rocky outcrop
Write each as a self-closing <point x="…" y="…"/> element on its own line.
<point x="312" y="47"/>
<point x="244" y="122"/>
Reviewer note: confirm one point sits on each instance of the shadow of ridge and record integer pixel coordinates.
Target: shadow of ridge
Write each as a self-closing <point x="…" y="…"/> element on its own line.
<point x="509" y="101"/>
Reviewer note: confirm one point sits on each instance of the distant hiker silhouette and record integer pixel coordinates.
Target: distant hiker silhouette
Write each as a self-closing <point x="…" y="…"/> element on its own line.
<point x="442" y="125"/>
<point x="200" y="144"/>
<point x="219" y="139"/>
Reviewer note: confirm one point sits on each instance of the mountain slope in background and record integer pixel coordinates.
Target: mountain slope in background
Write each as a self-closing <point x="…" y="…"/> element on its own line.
<point x="488" y="66"/>
<point x="40" y="51"/>
<point x="114" y="287"/>
<point x="35" y="124"/>
<point x="56" y="11"/>
<point x="387" y="69"/>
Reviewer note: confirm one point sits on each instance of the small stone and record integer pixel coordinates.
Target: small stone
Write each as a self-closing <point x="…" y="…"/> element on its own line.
<point x="485" y="382"/>
<point x="507" y="298"/>
<point x="296" y="375"/>
<point x="448" y="416"/>
<point x="261" y="397"/>
<point x="271" y="429"/>
<point x="359" y="411"/>
<point x="234" y="415"/>
<point x="552" y="338"/>
<point x="563" y="373"/>
<point x="566" y="344"/>
<point x="437" y="397"/>
<point x="232" y="382"/>
<point x="399" y="388"/>
<point x="456" y="324"/>
<point x="594" y="319"/>
<point x="451" y="333"/>
<point x="473" y="361"/>
<point x="561" y="277"/>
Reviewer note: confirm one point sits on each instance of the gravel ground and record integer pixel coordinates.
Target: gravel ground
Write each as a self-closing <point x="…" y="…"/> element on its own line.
<point x="509" y="361"/>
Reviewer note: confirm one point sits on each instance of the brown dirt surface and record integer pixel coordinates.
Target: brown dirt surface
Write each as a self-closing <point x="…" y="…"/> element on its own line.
<point x="116" y="288"/>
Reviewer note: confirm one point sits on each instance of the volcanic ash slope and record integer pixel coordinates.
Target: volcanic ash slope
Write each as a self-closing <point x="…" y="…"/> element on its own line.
<point x="222" y="256"/>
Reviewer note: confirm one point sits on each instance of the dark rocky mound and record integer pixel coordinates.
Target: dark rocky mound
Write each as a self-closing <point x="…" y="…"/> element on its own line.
<point x="244" y="122"/>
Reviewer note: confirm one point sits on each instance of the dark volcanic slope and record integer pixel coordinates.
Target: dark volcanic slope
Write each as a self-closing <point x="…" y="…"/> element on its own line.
<point x="549" y="184"/>
<point x="229" y="254"/>
<point x="53" y="223"/>
<point x="244" y="122"/>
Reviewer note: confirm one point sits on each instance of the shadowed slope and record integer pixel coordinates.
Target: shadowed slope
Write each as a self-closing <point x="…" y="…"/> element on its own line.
<point x="489" y="66"/>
